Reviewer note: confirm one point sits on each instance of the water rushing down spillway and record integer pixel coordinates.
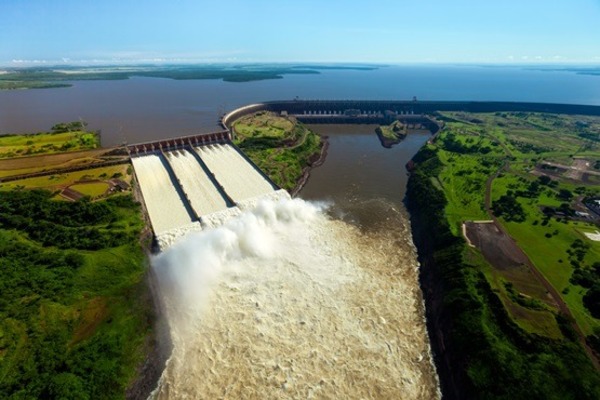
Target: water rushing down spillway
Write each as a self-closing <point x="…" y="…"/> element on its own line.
<point x="201" y="191"/>
<point x="274" y="298"/>
<point x="165" y="207"/>
<point x="282" y="302"/>
<point x="188" y="189"/>
<point x="239" y="178"/>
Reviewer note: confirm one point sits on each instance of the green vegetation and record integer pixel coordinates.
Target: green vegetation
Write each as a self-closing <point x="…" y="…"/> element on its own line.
<point x="465" y="173"/>
<point x="391" y="134"/>
<point x="502" y="317"/>
<point x="63" y="137"/>
<point x="74" y="312"/>
<point x="500" y="355"/>
<point x="534" y="204"/>
<point x="90" y="182"/>
<point x="280" y="146"/>
<point x="34" y="78"/>
<point x="14" y="85"/>
<point x="93" y="189"/>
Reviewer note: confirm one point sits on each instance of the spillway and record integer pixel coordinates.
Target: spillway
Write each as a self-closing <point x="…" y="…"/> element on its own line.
<point x="165" y="207"/>
<point x="239" y="178"/>
<point x="188" y="189"/>
<point x="201" y="191"/>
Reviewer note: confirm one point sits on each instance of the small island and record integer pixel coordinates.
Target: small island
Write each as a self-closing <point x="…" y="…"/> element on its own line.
<point x="392" y="134"/>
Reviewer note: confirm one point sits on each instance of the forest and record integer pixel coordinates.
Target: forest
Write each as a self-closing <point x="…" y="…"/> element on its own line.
<point x="74" y="309"/>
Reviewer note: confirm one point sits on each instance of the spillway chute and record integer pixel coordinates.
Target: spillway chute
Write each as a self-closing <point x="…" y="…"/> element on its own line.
<point x="188" y="188"/>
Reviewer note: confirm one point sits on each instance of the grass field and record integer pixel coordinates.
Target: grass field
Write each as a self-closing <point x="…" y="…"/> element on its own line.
<point x="474" y="146"/>
<point x="93" y="189"/>
<point x="264" y="125"/>
<point x="59" y="181"/>
<point x="47" y="143"/>
<point x="538" y="321"/>
<point x="279" y="146"/>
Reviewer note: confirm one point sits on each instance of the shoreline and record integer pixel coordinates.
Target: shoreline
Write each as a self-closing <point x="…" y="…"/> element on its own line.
<point x="317" y="163"/>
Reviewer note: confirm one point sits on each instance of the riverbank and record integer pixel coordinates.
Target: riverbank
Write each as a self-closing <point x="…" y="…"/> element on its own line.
<point x="487" y="340"/>
<point x="312" y="165"/>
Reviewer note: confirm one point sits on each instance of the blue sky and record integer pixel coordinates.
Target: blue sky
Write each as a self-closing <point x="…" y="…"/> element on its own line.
<point x="376" y="31"/>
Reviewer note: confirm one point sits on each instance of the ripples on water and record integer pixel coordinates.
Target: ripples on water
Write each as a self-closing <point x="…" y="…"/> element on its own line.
<point x="286" y="302"/>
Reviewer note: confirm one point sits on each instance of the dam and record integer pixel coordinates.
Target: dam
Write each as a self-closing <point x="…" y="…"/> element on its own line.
<point x="197" y="181"/>
<point x="194" y="182"/>
<point x="291" y="299"/>
<point x="204" y="179"/>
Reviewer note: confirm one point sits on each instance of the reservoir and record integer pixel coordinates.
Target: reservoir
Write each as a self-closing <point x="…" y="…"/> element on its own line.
<point x="144" y="109"/>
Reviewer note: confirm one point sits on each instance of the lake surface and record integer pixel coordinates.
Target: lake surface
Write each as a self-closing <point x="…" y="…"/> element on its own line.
<point x="142" y="109"/>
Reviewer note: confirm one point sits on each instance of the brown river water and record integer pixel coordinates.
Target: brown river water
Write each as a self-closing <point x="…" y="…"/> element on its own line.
<point x="316" y="297"/>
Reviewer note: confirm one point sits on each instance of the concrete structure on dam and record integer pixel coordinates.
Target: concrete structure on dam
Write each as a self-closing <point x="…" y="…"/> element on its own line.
<point x="377" y="111"/>
<point x="196" y="181"/>
<point x="201" y="180"/>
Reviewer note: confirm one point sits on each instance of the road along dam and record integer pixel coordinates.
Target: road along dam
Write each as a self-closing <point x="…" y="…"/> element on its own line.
<point x="195" y="182"/>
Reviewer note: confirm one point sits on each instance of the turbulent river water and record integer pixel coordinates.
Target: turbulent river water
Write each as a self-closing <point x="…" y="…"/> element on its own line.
<point x="285" y="302"/>
<point x="304" y="298"/>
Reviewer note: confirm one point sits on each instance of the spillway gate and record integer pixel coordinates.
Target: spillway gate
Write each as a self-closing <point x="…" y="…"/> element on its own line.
<point x="196" y="181"/>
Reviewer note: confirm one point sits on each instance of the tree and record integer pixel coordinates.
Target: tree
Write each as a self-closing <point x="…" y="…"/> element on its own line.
<point x="565" y="194"/>
<point x="67" y="386"/>
<point x="509" y="208"/>
<point x="591" y="300"/>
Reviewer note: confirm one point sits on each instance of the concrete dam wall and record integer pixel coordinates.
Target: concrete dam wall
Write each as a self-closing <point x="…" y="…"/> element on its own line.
<point x="201" y="180"/>
<point x="372" y="111"/>
<point x="189" y="187"/>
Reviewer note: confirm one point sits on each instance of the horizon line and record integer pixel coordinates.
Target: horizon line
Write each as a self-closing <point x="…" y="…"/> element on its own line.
<point x="16" y="64"/>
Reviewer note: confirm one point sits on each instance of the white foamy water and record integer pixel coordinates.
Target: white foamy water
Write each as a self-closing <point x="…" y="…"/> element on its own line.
<point x="202" y="193"/>
<point x="240" y="180"/>
<point x="217" y="218"/>
<point x="282" y="302"/>
<point x="165" y="208"/>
